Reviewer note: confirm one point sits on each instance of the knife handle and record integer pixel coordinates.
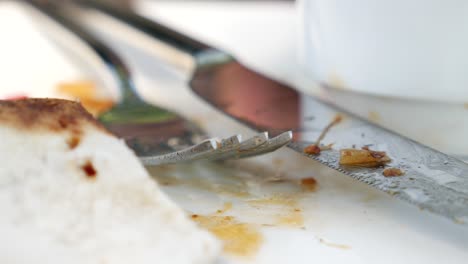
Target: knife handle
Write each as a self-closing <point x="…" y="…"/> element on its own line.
<point x="174" y="47"/>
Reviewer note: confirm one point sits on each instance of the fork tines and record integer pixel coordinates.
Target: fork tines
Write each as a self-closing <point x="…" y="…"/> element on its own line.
<point x="229" y="148"/>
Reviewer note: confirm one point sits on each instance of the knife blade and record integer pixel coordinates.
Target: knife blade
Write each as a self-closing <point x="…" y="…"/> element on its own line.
<point x="433" y="180"/>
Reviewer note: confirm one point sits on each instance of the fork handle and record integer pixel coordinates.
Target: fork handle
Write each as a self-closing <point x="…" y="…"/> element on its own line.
<point x="177" y="49"/>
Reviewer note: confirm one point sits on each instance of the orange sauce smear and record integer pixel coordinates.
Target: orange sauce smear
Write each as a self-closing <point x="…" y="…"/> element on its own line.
<point x="239" y="239"/>
<point x="86" y="92"/>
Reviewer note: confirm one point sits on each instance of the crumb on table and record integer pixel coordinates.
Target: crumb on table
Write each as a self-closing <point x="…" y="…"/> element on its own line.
<point x="363" y="157"/>
<point x="309" y="183"/>
<point x="315" y="149"/>
<point x="392" y="172"/>
<point x="312" y="149"/>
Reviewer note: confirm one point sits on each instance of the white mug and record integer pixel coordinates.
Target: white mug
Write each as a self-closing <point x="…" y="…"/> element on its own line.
<point x="404" y="48"/>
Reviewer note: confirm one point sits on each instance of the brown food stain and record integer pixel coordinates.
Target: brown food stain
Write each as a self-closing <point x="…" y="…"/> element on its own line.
<point x="240" y="239"/>
<point x="316" y="148"/>
<point x="373" y="116"/>
<point x="73" y="142"/>
<point x="89" y="170"/>
<point x="280" y="204"/>
<point x="309" y="184"/>
<point x="86" y="92"/>
<point x="227" y="206"/>
<point x="334" y="245"/>
<point x="275" y="199"/>
<point x="312" y="149"/>
<point x="287" y="203"/>
<point x="292" y="219"/>
<point x="393" y="172"/>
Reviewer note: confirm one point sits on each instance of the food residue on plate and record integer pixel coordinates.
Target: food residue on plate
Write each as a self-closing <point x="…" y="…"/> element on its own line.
<point x="393" y="172"/>
<point x="312" y="149"/>
<point x="316" y="148"/>
<point x="284" y="200"/>
<point x="284" y="208"/>
<point x="227" y="206"/>
<point x="334" y="245"/>
<point x="274" y="204"/>
<point x="239" y="239"/>
<point x="309" y="184"/>
<point x="86" y="92"/>
<point x="292" y="218"/>
<point x="363" y="157"/>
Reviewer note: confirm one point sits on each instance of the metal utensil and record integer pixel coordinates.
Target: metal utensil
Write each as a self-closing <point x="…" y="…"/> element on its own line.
<point x="159" y="136"/>
<point x="432" y="180"/>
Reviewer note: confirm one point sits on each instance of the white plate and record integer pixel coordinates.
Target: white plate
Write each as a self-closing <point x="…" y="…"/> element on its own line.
<point x="344" y="220"/>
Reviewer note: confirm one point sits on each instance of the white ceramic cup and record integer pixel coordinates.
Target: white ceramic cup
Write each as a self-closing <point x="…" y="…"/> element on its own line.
<point x="404" y="48"/>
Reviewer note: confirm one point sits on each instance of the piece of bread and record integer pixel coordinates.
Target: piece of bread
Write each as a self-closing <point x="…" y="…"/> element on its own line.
<point x="70" y="192"/>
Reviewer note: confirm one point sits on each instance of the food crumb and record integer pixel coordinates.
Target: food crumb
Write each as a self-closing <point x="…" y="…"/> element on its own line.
<point x="309" y="183"/>
<point x="392" y="172"/>
<point x="315" y="149"/>
<point x="363" y="157"/>
<point x="312" y="149"/>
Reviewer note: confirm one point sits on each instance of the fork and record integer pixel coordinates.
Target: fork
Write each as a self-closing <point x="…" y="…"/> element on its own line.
<point x="157" y="135"/>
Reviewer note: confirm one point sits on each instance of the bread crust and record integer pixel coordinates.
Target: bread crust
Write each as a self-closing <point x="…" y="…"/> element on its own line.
<point x="45" y="114"/>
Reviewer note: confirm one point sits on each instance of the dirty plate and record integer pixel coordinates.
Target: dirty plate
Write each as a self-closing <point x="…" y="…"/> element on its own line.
<point x="279" y="208"/>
